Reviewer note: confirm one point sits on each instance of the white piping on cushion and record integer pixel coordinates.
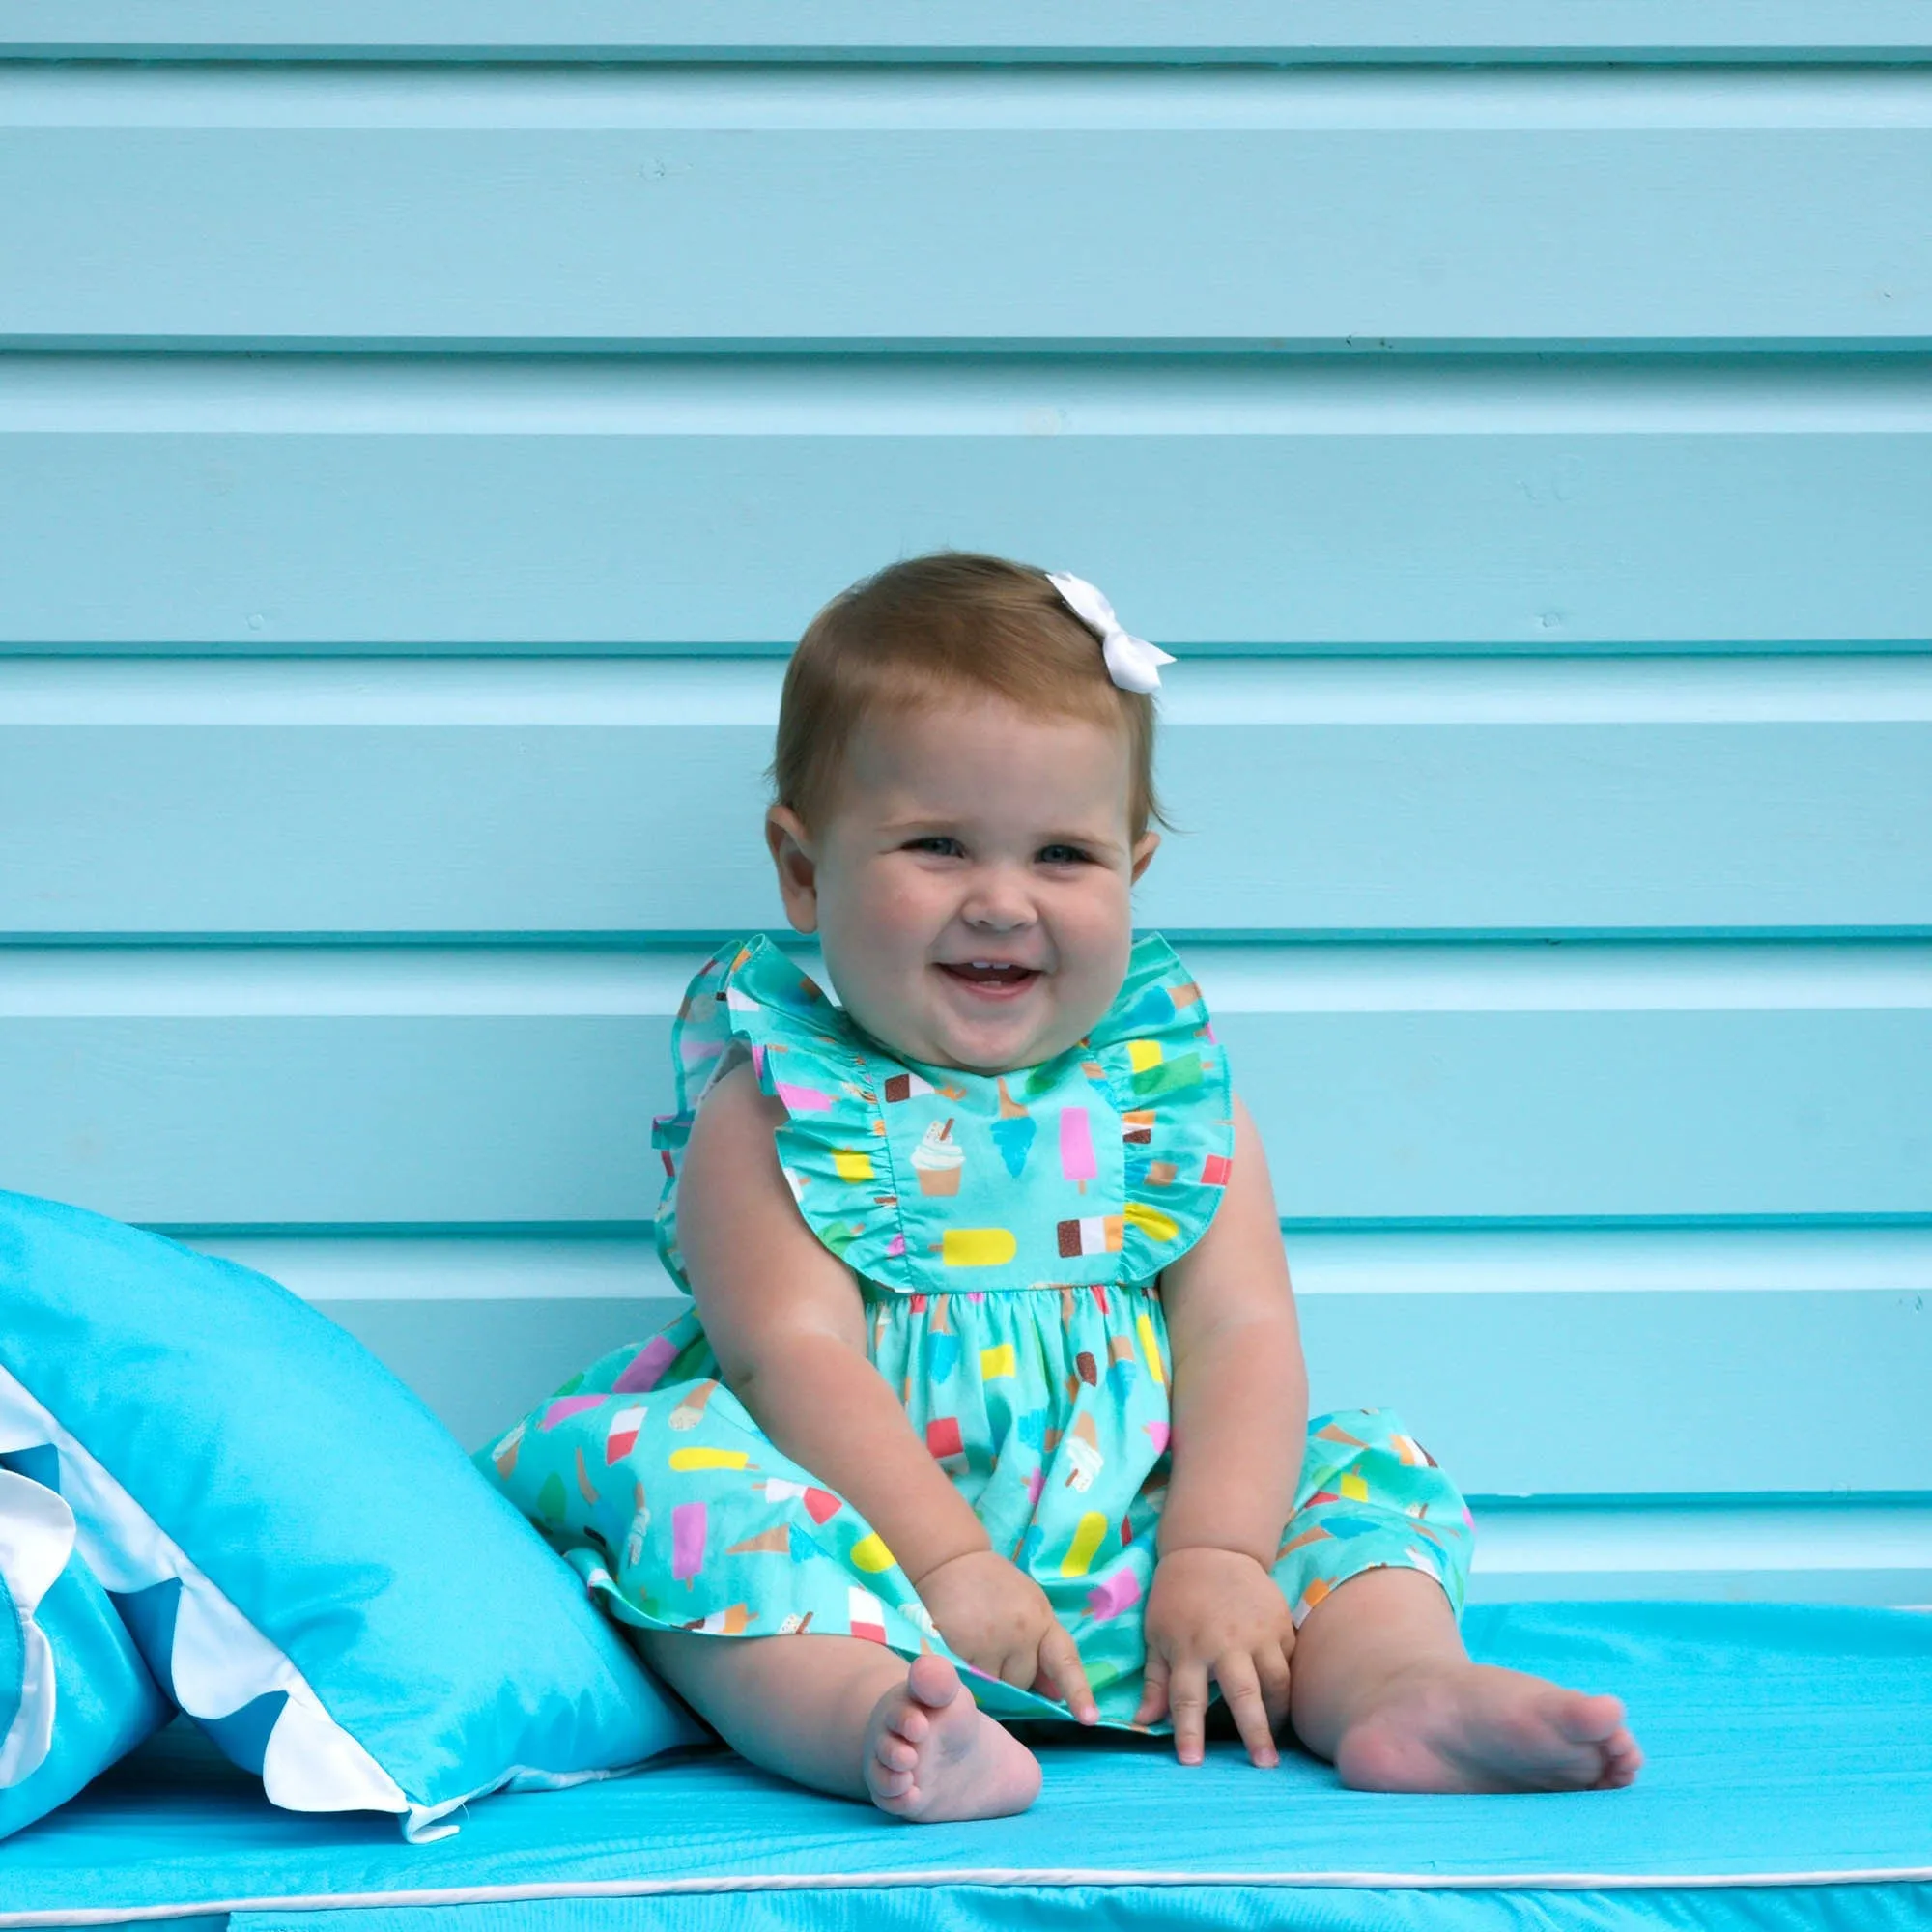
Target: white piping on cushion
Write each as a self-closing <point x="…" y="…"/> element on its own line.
<point x="220" y="1661"/>
<point x="944" y="1878"/>
<point x="36" y="1536"/>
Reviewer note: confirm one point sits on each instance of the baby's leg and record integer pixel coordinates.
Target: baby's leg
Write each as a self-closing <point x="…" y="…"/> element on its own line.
<point x="847" y="1716"/>
<point x="1384" y="1689"/>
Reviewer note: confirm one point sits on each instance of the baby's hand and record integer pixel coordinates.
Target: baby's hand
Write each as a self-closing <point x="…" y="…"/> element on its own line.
<point x="1215" y="1612"/>
<point x="998" y="1619"/>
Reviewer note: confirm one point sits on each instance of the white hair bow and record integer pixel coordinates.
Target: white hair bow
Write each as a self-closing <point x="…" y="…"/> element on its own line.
<point x="1132" y="663"/>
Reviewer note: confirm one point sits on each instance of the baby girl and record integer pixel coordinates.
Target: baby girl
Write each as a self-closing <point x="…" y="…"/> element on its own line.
<point x="990" y="1405"/>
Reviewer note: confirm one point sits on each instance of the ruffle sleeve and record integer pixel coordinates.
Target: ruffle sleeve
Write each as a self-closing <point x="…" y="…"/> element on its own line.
<point x="750" y="1001"/>
<point x="1167" y="1076"/>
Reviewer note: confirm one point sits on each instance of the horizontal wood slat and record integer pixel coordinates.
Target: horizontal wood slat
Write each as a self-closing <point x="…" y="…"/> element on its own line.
<point x="1074" y="30"/>
<point x="238" y="207"/>
<point x="624" y="799"/>
<point x="1620" y="513"/>
<point x="1513" y="1393"/>
<point x="1426" y="1099"/>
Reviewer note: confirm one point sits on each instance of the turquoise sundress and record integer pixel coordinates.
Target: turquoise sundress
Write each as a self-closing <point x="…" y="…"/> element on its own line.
<point x="1008" y="1233"/>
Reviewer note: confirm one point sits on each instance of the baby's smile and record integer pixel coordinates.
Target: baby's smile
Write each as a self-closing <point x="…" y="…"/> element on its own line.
<point x="970" y="882"/>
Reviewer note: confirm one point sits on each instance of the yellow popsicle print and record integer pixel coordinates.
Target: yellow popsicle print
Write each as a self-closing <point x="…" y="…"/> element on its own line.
<point x="1086" y="1545"/>
<point x="1353" y="1488"/>
<point x="1151" y="1222"/>
<point x="978" y="1247"/>
<point x="1142" y="1054"/>
<point x="851" y="1165"/>
<point x="998" y="1361"/>
<point x="1149" y="1347"/>
<point x="870" y="1554"/>
<point x="710" y="1459"/>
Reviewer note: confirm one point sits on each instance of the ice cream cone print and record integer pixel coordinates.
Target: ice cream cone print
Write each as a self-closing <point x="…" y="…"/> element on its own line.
<point x="939" y="1160"/>
<point x="733" y="1622"/>
<point x="1013" y="1132"/>
<point x="772" y="1541"/>
<point x="504" y="1454"/>
<point x="1083" y="1450"/>
<point x="585" y="1488"/>
<point x="1076" y="1146"/>
<point x="621" y="1436"/>
<point x="690" y="1411"/>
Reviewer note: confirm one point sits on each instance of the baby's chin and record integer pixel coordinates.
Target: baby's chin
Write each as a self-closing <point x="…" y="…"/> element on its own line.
<point x="997" y="1044"/>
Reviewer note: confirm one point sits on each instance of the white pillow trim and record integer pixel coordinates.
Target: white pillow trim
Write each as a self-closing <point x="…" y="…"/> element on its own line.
<point x="36" y="1536"/>
<point x="220" y="1661"/>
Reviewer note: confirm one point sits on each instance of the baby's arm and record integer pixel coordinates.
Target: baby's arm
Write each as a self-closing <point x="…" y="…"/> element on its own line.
<point x="1240" y="1414"/>
<point x="786" y="1321"/>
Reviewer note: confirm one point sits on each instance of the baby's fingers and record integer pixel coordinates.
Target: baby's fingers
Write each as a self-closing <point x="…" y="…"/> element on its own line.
<point x="1153" y="1690"/>
<point x="1241" y="1692"/>
<point x="1061" y="1666"/>
<point x="1187" y="1705"/>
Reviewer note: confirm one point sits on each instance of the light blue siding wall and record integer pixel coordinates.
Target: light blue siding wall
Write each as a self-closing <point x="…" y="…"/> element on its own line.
<point x="423" y="428"/>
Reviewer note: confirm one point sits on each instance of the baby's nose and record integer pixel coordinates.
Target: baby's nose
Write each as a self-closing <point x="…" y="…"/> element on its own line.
<point x="998" y="902"/>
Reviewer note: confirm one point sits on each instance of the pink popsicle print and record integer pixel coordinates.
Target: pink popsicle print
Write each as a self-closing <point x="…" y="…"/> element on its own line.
<point x="645" y="1368"/>
<point x="564" y="1407"/>
<point x="1116" y="1593"/>
<point x="688" y="1531"/>
<point x="1076" y="1146"/>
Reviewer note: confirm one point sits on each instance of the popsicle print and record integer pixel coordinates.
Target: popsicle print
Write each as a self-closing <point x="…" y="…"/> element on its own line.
<point x="621" y="1436"/>
<point x="646" y="1369"/>
<point x="689" y="1527"/>
<point x="1076" y="1148"/>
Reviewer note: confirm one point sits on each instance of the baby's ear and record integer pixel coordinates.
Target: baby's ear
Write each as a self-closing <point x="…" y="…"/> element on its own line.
<point x="1144" y="847"/>
<point x="790" y="847"/>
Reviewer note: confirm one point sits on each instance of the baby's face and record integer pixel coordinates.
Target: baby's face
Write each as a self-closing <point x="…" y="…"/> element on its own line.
<point x="970" y="882"/>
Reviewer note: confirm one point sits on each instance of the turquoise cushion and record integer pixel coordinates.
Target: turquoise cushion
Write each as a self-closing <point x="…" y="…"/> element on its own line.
<point x="75" y="1695"/>
<point x="304" y="1556"/>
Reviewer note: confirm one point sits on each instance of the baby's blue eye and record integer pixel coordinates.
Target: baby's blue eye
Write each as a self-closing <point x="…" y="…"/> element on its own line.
<point x="1063" y="855"/>
<point x="938" y="844"/>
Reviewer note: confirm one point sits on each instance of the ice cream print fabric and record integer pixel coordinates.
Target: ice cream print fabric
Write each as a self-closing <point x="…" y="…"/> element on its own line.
<point x="1007" y="1233"/>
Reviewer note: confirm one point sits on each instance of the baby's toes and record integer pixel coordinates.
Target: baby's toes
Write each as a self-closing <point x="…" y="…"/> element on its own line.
<point x="1622" y="1761"/>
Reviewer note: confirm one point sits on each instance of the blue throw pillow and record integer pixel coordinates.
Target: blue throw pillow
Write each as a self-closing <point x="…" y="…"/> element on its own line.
<point x="307" y="1562"/>
<point x="75" y="1695"/>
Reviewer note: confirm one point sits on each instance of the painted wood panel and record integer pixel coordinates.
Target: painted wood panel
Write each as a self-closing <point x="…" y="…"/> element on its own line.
<point x="1436" y="379"/>
<point x="1083" y="30"/>
<point x="622" y="799"/>
<point x="1238" y="504"/>
<point x="1461" y="1088"/>
<point x="476" y="206"/>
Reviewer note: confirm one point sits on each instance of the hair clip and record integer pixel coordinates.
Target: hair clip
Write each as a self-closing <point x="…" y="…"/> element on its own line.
<point x="1132" y="663"/>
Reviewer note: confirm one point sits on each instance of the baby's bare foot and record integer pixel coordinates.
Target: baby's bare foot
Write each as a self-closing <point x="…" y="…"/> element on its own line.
<point x="1471" y="1727"/>
<point x="931" y="1753"/>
